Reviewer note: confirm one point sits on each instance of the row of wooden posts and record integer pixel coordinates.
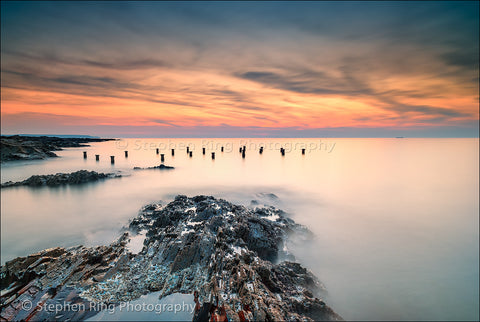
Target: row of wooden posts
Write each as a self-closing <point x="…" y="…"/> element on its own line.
<point x="97" y="156"/>
<point x="162" y="156"/>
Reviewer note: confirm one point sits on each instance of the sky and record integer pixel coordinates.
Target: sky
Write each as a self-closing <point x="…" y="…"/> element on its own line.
<point x="240" y="69"/>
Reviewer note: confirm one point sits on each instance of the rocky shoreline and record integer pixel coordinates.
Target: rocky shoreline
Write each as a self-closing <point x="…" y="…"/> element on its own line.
<point x="18" y="147"/>
<point x="234" y="260"/>
<point x="52" y="180"/>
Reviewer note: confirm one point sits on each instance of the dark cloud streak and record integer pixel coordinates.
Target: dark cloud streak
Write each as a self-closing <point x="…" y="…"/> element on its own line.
<point x="115" y="64"/>
<point x="349" y="85"/>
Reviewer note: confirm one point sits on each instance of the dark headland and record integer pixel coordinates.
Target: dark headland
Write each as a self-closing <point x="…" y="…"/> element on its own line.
<point x="19" y="147"/>
<point x="60" y="179"/>
<point x="232" y="258"/>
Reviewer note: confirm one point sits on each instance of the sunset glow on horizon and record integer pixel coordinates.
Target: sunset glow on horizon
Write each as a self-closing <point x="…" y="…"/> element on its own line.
<point x="136" y="69"/>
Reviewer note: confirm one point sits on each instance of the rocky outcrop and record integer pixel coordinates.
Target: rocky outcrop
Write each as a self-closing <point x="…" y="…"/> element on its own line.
<point x="233" y="259"/>
<point x="161" y="167"/>
<point x="18" y="147"/>
<point x="78" y="177"/>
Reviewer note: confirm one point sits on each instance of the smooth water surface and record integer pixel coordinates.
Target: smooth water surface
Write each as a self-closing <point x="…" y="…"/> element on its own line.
<point x="396" y="220"/>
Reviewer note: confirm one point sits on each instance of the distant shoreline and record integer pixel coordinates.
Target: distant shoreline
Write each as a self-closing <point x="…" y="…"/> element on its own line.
<point x="63" y="136"/>
<point x="20" y="147"/>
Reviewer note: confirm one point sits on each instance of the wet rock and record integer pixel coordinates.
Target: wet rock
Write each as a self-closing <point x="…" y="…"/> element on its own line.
<point x="78" y="177"/>
<point x="227" y="255"/>
<point x="18" y="147"/>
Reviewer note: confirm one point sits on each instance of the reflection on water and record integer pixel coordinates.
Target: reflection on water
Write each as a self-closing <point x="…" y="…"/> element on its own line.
<point x="396" y="221"/>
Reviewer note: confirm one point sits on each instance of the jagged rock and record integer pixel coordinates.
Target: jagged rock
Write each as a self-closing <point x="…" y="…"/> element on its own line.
<point x="225" y="254"/>
<point x="78" y="177"/>
<point x="18" y="147"/>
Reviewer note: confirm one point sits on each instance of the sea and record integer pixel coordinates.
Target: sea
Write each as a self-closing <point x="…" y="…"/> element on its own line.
<point x="395" y="220"/>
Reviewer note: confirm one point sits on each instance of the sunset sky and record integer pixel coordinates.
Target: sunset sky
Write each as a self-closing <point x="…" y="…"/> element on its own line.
<point x="230" y="69"/>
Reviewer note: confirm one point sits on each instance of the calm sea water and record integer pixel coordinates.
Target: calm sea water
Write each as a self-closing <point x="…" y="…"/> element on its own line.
<point x="395" y="220"/>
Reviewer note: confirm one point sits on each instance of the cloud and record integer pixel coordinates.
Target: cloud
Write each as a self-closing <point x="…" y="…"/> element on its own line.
<point x="349" y="85"/>
<point x="300" y="82"/>
<point x="86" y="85"/>
<point x="42" y="120"/>
<point x="305" y="64"/>
<point x="128" y="64"/>
<point x="159" y="121"/>
<point x="426" y="110"/>
<point x="466" y="59"/>
<point x="115" y="64"/>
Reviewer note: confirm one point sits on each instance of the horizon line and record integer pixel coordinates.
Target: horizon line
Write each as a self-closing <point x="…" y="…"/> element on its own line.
<point x="240" y="137"/>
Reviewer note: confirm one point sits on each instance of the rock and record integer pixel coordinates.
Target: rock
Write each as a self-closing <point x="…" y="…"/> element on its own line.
<point x="18" y="147"/>
<point x="78" y="177"/>
<point x="225" y="254"/>
<point x="266" y="195"/>
<point x="161" y="167"/>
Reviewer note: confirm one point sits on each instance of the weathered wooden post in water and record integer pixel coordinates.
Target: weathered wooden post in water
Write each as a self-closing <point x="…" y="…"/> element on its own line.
<point x="162" y="157"/>
<point x="261" y="150"/>
<point x="158" y="150"/>
<point x="203" y="151"/>
<point x="84" y="154"/>
<point x="112" y="159"/>
<point x="173" y="152"/>
<point x="213" y="155"/>
<point x="97" y="157"/>
<point x="221" y="149"/>
<point x="190" y="154"/>
<point x="188" y="150"/>
<point x="240" y="150"/>
<point x="303" y="151"/>
<point x="282" y="151"/>
<point x="243" y="153"/>
<point x="126" y="154"/>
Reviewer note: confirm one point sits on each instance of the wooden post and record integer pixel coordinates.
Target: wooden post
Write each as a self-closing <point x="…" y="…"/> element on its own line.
<point x="243" y="153"/>
<point x="158" y="150"/>
<point x="173" y="152"/>
<point x="190" y="154"/>
<point x="97" y="157"/>
<point x="282" y="151"/>
<point x="221" y="149"/>
<point x="240" y="150"/>
<point x="261" y="149"/>
<point x="188" y="150"/>
<point x="213" y="155"/>
<point x="162" y="157"/>
<point x="112" y="159"/>
<point x="84" y="154"/>
<point x="126" y="154"/>
<point x="303" y="151"/>
<point x="203" y="151"/>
